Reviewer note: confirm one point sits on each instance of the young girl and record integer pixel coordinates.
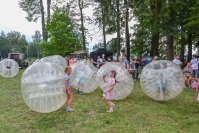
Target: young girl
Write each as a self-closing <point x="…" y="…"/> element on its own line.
<point x="107" y="95"/>
<point x="188" y="74"/>
<point x="69" y="93"/>
<point x="197" y="93"/>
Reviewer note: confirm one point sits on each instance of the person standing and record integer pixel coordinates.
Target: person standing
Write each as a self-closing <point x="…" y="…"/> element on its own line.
<point x="136" y="65"/>
<point x="99" y="59"/>
<point x="69" y="92"/>
<point x="126" y="62"/>
<point x="155" y="58"/>
<point x="194" y="63"/>
<point x="177" y="60"/>
<point x="71" y="61"/>
<point x="109" y="59"/>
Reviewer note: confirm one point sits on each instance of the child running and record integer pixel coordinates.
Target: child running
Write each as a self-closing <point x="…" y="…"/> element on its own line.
<point x="69" y="92"/>
<point x="107" y="95"/>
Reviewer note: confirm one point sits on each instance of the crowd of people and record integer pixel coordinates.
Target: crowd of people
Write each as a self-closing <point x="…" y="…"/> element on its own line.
<point x="190" y="70"/>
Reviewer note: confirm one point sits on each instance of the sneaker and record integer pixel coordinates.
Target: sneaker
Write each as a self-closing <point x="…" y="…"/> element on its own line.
<point x="81" y="92"/>
<point x="69" y="109"/>
<point x="112" y="104"/>
<point x="110" y="110"/>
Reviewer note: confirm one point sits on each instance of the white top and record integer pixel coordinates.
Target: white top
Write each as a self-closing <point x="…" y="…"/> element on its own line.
<point x="100" y="60"/>
<point x="194" y="63"/>
<point x="178" y="62"/>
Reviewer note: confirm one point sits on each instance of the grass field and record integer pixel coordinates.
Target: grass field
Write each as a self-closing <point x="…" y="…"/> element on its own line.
<point x="136" y="113"/>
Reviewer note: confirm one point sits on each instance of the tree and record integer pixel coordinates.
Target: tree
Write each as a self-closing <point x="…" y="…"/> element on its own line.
<point x="17" y="41"/>
<point x="127" y="36"/>
<point x="37" y="39"/>
<point x="76" y="12"/>
<point x="63" y="39"/>
<point x="35" y="10"/>
<point x="97" y="46"/>
<point x="101" y="16"/>
<point x="4" y="47"/>
<point x="118" y="28"/>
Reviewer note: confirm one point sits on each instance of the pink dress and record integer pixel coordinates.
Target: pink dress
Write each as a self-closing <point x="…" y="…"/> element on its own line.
<point x="110" y="83"/>
<point x="196" y="85"/>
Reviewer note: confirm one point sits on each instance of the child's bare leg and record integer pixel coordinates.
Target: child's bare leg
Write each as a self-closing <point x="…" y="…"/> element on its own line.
<point x="107" y="102"/>
<point x="69" y="99"/>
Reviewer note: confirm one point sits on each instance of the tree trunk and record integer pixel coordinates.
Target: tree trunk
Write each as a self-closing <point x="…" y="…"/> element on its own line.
<point x="118" y="29"/>
<point x="43" y="21"/>
<point x="155" y="32"/>
<point x="48" y="8"/>
<point x="182" y="51"/>
<point x="127" y="38"/>
<point x="189" y="47"/>
<point x="80" y="3"/>
<point x="48" y="13"/>
<point x="170" y="47"/>
<point x="103" y="27"/>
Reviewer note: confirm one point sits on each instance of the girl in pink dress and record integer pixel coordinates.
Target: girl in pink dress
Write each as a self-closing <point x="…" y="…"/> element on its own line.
<point x="107" y="95"/>
<point x="196" y="86"/>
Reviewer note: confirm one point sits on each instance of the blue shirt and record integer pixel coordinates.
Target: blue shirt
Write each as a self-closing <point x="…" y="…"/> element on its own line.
<point x="66" y="77"/>
<point x="126" y="62"/>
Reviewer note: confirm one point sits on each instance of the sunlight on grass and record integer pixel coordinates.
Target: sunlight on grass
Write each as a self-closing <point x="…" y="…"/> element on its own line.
<point x="136" y="113"/>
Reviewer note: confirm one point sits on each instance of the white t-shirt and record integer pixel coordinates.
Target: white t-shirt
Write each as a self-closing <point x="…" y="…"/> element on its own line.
<point x="194" y="63"/>
<point x="178" y="62"/>
<point x="100" y="60"/>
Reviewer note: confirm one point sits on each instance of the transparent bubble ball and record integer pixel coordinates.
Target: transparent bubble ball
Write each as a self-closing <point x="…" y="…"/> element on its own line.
<point x="162" y="80"/>
<point x="83" y="76"/>
<point x="8" y="68"/>
<point x="125" y="81"/>
<point x="43" y="87"/>
<point x="57" y="59"/>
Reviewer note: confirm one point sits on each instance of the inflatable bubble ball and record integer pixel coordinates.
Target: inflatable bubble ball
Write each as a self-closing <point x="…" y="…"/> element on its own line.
<point x="8" y="68"/>
<point x="36" y="61"/>
<point x="124" y="84"/>
<point x="162" y="80"/>
<point x="43" y="87"/>
<point x="57" y="59"/>
<point x="83" y="76"/>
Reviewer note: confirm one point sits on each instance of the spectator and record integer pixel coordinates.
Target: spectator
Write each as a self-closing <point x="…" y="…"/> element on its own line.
<point x="188" y="74"/>
<point x="126" y="62"/>
<point x="71" y="61"/>
<point x="177" y="60"/>
<point x="99" y="59"/>
<point x="136" y="66"/>
<point x="121" y="60"/>
<point x="109" y="59"/>
<point x="194" y="63"/>
<point x="155" y="58"/>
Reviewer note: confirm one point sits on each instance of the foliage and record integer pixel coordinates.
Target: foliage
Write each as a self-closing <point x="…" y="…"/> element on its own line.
<point x="63" y="39"/>
<point x="32" y="7"/>
<point x="112" y="44"/>
<point x="4" y="47"/>
<point x="193" y="20"/>
<point x="12" y="42"/>
<point x="171" y="20"/>
<point x="97" y="46"/>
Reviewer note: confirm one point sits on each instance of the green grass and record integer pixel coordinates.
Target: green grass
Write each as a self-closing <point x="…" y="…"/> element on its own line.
<point x="136" y="113"/>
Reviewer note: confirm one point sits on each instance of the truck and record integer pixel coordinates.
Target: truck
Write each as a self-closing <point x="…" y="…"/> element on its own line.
<point x="19" y="58"/>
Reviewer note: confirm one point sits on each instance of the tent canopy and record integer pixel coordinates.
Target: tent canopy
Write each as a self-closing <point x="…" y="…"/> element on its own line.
<point x="102" y="53"/>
